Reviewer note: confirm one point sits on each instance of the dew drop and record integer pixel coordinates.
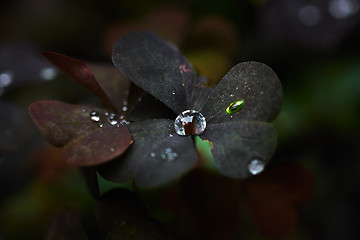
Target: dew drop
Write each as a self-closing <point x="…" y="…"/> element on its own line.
<point x="124" y="108"/>
<point x="256" y="166"/>
<point x="169" y="155"/>
<point x="173" y="93"/>
<point x="190" y="122"/>
<point x="5" y="79"/>
<point x="94" y="116"/>
<point x="101" y="125"/>
<point x="112" y="149"/>
<point x="152" y="154"/>
<point x="235" y="107"/>
<point x="112" y="119"/>
<point x="83" y="110"/>
<point x="232" y="95"/>
<point x="48" y="73"/>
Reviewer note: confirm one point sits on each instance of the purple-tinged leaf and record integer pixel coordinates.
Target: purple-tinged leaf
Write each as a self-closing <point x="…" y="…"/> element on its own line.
<point x="157" y="157"/>
<point x="69" y="126"/>
<point x="253" y="82"/>
<point x="235" y="144"/>
<point x="159" y="68"/>
<point x="80" y="71"/>
<point x="114" y="84"/>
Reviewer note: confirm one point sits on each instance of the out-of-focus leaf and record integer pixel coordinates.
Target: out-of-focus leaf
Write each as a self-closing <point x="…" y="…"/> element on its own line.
<point x="235" y="144"/>
<point x="66" y="225"/>
<point x="69" y="126"/>
<point x="121" y="215"/>
<point x="15" y="127"/>
<point x="158" y="156"/>
<point x="275" y="195"/>
<point x="212" y="209"/>
<point x="253" y="82"/>
<point x="159" y="68"/>
<point x="114" y="84"/>
<point x="80" y="71"/>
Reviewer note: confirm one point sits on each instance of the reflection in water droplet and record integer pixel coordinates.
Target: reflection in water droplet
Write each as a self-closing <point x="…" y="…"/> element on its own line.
<point x="5" y="79"/>
<point x="112" y="119"/>
<point x="94" y="116"/>
<point x="48" y="73"/>
<point x="235" y="107"/>
<point x="190" y="122"/>
<point x="256" y="166"/>
<point x="309" y="15"/>
<point x="169" y="155"/>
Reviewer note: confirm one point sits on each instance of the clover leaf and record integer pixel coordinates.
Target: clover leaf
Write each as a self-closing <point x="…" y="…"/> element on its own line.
<point x="233" y="116"/>
<point x="89" y="135"/>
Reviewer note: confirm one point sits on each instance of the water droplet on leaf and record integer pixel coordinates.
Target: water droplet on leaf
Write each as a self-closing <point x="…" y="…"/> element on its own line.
<point x="112" y="119"/>
<point x="235" y="107"/>
<point x="112" y="149"/>
<point x="169" y="155"/>
<point x="190" y="122"/>
<point x="101" y="125"/>
<point x="256" y="166"/>
<point x="152" y="154"/>
<point x="94" y="116"/>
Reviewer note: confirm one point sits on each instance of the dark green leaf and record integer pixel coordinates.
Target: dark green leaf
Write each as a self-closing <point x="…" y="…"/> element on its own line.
<point x="234" y="145"/>
<point x="85" y="142"/>
<point x="121" y="215"/>
<point x="159" y="68"/>
<point x="144" y="159"/>
<point x="79" y="71"/>
<point x="253" y="82"/>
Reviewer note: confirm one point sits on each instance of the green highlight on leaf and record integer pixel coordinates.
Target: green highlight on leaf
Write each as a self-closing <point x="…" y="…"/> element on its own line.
<point x="235" y="107"/>
<point x="204" y="147"/>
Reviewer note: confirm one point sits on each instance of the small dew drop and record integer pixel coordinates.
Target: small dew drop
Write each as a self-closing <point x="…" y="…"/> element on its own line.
<point x="83" y="110"/>
<point x="183" y="84"/>
<point x="101" y="125"/>
<point x="112" y="119"/>
<point x="106" y="114"/>
<point x="256" y="166"/>
<point x="112" y="149"/>
<point x="232" y="95"/>
<point x="173" y="93"/>
<point x="94" y="116"/>
<point x="169" y="155"/>
<point x="170" y="135"/>
<point x="124" y="108"/>
<point x="235" y="107"/>
<point x="152" y="154"/>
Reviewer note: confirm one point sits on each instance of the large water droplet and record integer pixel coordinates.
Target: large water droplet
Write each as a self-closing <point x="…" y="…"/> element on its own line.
<point x="256" y="166"/>
<point x="94" y="116"/>
<point x="112" y="119"/>
<point x="190" y="122"/>
<point x="235" y="107"/>
<point x="169" y="155"/>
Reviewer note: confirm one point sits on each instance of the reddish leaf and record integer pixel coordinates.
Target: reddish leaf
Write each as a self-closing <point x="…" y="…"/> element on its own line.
<point x="79" y="71"/>
<point x="213" y="205"/>
<point x="69" y="126"/>
<point x="275" y="195"/>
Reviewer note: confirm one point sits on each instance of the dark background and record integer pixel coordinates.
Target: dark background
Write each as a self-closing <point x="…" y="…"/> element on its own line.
<point x="313" y="46"/>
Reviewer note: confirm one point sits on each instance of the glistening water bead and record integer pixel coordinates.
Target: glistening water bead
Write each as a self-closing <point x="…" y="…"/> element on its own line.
<point x="190" y="122"/>
<point x="94" y="116"/>
<point x="169" y="155"/>
<point x="235" y="107"/>
<point x="256" y="166"/>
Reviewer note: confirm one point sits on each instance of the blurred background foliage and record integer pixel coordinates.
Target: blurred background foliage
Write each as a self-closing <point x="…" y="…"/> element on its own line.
<point x="313" y="46"/>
